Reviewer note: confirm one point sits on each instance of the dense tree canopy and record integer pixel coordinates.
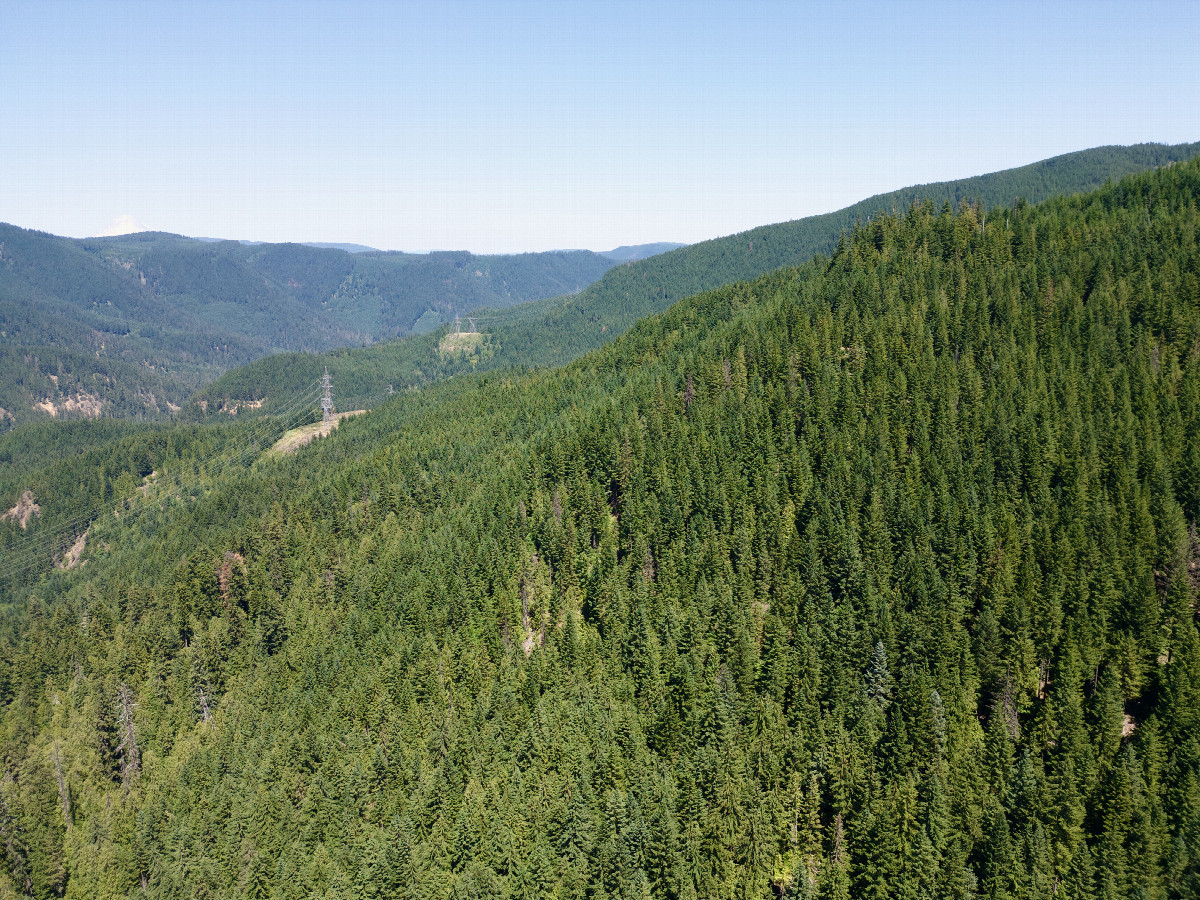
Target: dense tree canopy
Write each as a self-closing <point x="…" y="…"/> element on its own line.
<point x="559" y="329"/>
<point x="871" y="578"/>
<point x="132" y="326"/>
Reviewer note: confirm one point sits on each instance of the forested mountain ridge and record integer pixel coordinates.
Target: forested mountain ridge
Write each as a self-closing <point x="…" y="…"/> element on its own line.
<point x="557" y="330"/>
<point x="640" y="251"/>
<point x="133" y="325"/>
<point x="628" y="293"/>
<point x="871" y="578"/>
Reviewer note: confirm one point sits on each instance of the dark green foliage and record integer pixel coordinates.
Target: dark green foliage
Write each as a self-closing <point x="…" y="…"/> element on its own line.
<point x="557" y="330"/>
<point x="126" y="326"/>
<point x="871" y="578"/>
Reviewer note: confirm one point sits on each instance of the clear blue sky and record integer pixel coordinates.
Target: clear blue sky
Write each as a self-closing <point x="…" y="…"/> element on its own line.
<point x="500" y="127"/>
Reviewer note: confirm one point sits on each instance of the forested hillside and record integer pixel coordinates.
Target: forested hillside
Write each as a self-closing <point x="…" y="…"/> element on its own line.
<point x="557" y="330"/>
<point x="871" y="578"/>
<point x="367" y="295"/>
<point x="132" y="326"/>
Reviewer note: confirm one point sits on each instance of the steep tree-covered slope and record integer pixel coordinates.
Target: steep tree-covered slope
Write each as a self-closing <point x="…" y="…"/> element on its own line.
<point x="871" y="578"/>
<point x="554" y="331"/>
<point x="366" y="295"/>
<point x="131" y="326"/>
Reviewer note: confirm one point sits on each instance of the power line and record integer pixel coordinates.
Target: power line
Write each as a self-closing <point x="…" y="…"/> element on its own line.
<point x="239" y="448"/>
<point x="233" y="452"/>
<point x="49" y="541"/>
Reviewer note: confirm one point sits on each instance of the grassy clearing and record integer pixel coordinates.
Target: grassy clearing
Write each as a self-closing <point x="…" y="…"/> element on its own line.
<point x="460" y="341"/>
<point x="298" y="437"/>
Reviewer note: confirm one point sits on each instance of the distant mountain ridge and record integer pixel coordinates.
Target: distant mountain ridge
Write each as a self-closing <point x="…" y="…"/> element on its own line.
<point x="559" y="329"/>
<point x="635" y="252"/>
<point x="132" y="324"/>
<point x="349" y="248"/>
<point x="629" y="292"/>
<point x="874" y="577"/>
<point x="320" y="245"/>
<point x="624" y="253"/>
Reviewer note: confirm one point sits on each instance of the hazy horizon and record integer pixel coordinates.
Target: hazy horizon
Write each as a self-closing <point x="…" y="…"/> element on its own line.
<point x="541" y="126"/>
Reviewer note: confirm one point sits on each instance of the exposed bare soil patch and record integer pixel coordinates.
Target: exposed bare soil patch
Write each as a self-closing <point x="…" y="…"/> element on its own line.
<point x="24" y="511"/>
<point x="460" y="341"/>
<point x="88" y="404"/>
<point x="70" y="559"/>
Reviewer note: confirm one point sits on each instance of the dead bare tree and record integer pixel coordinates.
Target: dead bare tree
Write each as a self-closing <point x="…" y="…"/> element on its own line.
<point x="62" y="787"/>
<point x="131" y="763"/>
<point x="648" y="570"/>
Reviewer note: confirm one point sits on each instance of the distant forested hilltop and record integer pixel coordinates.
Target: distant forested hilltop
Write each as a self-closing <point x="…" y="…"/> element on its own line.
<point x="875" y="577"/>
<point x="132" y="326"/>
<point x="556" y="330"/>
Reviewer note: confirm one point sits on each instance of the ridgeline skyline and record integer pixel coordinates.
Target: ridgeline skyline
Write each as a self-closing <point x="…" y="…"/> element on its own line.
<point x="540" y="126"/>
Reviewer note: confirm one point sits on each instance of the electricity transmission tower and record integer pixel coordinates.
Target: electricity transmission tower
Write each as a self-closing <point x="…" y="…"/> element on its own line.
<point x="471" y="321"/>
<point x="327" y="397"/>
